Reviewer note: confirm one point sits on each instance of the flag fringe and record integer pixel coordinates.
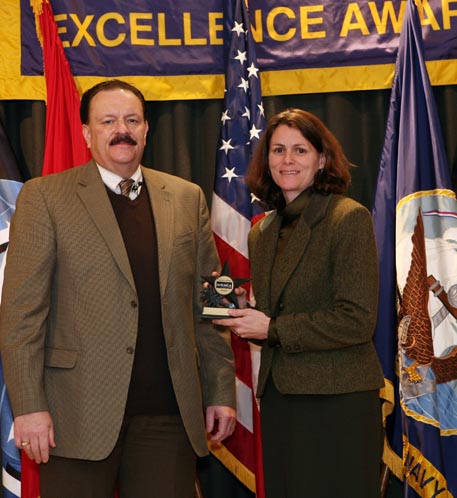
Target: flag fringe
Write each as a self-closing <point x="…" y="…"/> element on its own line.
<point x="240" y="471"/>
<point x="387" y="393"/>
<point x="392" y="460"/>
<point x="389" y="457"/>
<point x="37" y="8"/>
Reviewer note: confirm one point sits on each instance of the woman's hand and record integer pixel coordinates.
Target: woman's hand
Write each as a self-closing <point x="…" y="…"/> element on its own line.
<point x="246" y="323"/>
<point x="242" y="297"/>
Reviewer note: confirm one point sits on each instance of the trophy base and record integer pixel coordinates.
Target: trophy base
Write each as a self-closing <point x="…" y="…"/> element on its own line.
<point x="209" y="312"/>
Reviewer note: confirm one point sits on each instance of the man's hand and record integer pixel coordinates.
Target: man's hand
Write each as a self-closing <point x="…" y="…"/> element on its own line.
<point x="34" y="433"/>
<point x="225" y="416"/>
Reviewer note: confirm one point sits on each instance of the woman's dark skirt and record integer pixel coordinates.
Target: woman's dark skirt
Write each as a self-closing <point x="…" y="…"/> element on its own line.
<point x="321" y="446"/>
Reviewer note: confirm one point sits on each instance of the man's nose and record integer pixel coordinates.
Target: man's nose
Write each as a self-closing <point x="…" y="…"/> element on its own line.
<point x="121" y="126"/>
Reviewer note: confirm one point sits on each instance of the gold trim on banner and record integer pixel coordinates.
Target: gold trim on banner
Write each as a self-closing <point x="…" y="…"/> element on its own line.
<point x="203" y="86"/>
<point x="340" y="79"/>
<point x="209" y="86"/>
<point x="12" y="84"/>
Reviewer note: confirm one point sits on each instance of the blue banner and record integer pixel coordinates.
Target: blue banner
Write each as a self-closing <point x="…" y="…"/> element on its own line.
<point x="339" y="44"/>
<point x="135" y="38"/>
<point x="339" y="33"/>
<point x="172" y="37"/>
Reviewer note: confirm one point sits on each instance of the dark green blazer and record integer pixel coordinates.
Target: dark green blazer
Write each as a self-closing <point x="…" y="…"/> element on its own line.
<point x="324" y="301"/>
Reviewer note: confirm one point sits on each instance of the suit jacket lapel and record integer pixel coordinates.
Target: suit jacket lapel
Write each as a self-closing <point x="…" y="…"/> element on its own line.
<point x="262" y="258"/>
<point x="292" y="254"/>
<point x="290" y="258"/>
<point x="92" y="193"/>
<point x="164" y="219"/>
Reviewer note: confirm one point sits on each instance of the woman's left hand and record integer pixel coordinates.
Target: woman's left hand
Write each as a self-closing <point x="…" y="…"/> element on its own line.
<point x="246" y="323"/>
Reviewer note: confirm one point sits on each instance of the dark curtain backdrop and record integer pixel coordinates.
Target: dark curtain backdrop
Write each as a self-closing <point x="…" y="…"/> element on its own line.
<point x="183" y="139"/>
<point x="183" y="134"/>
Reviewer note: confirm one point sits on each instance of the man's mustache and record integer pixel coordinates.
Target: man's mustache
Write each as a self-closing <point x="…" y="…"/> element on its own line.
<point x="123" y="138"/>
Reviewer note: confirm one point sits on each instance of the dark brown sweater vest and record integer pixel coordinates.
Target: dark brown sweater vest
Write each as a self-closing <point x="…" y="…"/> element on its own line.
<point x="151" y="390"/>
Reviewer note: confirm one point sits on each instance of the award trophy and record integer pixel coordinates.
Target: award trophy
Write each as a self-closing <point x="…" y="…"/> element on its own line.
<point x="219" y="297"/>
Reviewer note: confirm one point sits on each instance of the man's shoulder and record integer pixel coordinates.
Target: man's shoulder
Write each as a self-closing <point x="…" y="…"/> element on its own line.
<point x="161" y="179"/>
<point x="66" y="176"/>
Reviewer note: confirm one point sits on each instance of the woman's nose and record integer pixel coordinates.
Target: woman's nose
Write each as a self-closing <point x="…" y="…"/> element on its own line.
<point x="288" y="158"/>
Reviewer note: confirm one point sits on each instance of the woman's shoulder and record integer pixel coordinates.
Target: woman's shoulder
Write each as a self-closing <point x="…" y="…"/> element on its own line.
<point x="264" y="221"/>
<point x="343" y="204"/>
<point x="343" y="210"/>
<point x="261" y="225"/>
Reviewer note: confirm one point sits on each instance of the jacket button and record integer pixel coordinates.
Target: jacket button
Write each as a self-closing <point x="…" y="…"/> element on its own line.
<point x="281" y="306"/>
<point x="130" y="350"/>
<point x="133" y="304"/>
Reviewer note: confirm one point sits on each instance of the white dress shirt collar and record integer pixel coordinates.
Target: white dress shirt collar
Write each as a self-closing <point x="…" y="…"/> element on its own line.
<point x="111" y="180"/>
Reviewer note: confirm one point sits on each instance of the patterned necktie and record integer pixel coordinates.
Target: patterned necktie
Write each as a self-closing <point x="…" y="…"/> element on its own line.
<point x="126" y="186"/>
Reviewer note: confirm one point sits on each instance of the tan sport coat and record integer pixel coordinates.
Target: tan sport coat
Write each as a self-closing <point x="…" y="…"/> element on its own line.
<point x="324" y="300"/>
<point x="68" y="319"/>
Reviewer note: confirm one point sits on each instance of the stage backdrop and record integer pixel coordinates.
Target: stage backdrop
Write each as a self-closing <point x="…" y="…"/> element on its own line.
<point x="173" y="49"/>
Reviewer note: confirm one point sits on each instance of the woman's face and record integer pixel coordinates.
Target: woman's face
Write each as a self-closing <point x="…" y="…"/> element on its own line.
<point x="293" y="161"/>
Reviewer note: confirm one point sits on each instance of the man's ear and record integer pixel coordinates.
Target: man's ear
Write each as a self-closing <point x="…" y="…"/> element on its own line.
<point x="146" y="132"/>
<point x="86" y="134"/>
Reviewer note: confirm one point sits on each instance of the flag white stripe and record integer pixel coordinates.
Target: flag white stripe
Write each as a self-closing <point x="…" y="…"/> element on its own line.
<point x="244" y="405"/>
<point x="228" y="224"/>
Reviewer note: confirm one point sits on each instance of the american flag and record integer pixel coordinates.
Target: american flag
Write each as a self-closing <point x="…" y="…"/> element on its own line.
<point x="233" y="209"/>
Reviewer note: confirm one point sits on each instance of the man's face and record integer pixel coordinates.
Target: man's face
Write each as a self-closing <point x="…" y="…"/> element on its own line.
<point x="116" y="132"/>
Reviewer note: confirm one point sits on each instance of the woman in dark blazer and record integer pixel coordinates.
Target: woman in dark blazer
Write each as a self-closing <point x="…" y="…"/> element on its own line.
<point x="315" y="282"/>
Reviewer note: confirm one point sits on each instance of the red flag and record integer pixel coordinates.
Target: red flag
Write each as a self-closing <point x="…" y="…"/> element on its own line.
<point x="64" y="144"/>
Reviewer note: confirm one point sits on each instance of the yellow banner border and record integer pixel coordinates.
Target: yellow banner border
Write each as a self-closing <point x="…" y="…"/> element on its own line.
<point x="207" y="86"/>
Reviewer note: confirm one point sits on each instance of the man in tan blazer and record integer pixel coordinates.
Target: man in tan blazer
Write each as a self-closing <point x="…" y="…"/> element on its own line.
<point x="108" y="367"/>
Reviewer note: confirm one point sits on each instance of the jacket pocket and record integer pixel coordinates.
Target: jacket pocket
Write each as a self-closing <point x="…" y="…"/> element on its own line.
<point x="184" y="238"/>
<point x="60" y="358"/>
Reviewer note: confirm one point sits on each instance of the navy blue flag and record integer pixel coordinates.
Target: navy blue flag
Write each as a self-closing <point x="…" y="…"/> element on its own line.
<point x="233" y="209"/>
<point x="10" y="185"/>
<point x="415" y="218"/>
